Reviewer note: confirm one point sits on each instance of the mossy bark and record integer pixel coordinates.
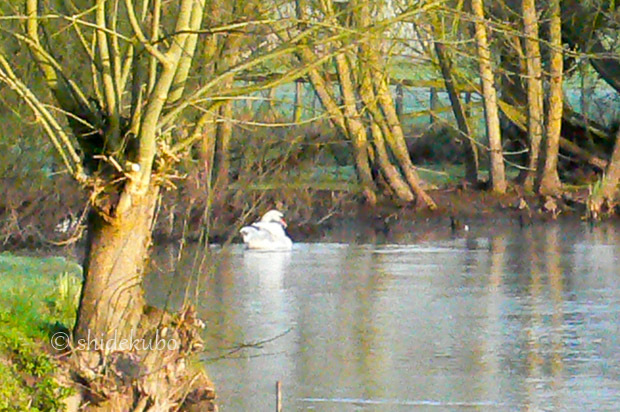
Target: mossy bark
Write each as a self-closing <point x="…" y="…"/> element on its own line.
<point x="549" y="180"/>
<point x="534" y="89"/>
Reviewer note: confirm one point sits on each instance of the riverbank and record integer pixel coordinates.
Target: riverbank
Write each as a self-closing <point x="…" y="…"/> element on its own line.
<point x="38" y="296"/>
<point x="313" y="214"/>
<point x="321" y="215"/>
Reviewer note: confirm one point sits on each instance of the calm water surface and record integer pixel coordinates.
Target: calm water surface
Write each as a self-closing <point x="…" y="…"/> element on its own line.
<point x="523" y="319"/>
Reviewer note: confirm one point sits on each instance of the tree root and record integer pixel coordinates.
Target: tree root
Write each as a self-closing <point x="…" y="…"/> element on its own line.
<point x="158" y="372"/>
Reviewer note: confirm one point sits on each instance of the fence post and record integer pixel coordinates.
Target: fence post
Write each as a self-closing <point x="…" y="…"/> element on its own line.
<point x="278" y="396"/>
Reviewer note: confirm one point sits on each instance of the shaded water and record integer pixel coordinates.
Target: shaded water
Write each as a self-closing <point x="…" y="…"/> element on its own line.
<point x="518" y="319"/>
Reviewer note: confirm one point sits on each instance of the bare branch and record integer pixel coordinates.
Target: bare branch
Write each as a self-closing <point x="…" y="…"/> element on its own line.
<point x="108" y="78"/>
<point x="55" y="132"/>
<point x="180" y="78"/>
<point x="135" y="25"/>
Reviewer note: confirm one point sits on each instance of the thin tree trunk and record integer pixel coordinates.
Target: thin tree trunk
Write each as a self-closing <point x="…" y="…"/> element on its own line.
<point x="471" y="150"/>
<point x="230" y="56"/>
<point x="223" y="137"/>
<point x="433" y="102"/>
<point x="467" y="109"/>
<point x="391" y="173"/>
<point x="534" y="89"/>
<point x="322" y="91"/>
<point x="206" y="146"/>
<point x="400" y="97"/>
<point x="356" y="128"/>
<point x="489" y="94"/>
<point x="609" y="190"/>
<point x="299" y="88"/>
<point x="396" y="141"/>
<point x="223" y="134"/>
<point x="271" y="104"/>
<point x="549" y="179"/>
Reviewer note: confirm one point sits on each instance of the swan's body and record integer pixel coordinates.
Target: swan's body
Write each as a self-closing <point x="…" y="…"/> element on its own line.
<point x="268" y="233"/>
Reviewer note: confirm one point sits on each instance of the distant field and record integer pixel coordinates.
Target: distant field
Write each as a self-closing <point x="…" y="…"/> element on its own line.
<point x="602" y="102"/>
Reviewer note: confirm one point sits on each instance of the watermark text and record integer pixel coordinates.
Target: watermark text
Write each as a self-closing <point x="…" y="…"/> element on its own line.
<point x="112" y="343"/>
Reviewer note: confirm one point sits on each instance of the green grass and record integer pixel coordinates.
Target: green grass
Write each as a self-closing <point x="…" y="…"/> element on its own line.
<point x="344" y="178"/>
<point x="37" y="297"/>
<point x="32" y="291"/>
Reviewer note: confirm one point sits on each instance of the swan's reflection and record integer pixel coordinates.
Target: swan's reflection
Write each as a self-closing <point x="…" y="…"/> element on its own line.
<point x="268" y="267"/>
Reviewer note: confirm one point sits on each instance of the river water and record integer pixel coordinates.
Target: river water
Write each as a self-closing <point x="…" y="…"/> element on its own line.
<point x="517" y="319"/>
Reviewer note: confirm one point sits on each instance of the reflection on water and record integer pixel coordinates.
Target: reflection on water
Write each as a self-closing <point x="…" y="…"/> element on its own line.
<point x="525" y="319"/>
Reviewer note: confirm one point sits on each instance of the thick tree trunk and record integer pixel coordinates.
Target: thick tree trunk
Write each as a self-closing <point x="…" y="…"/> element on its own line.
<point x="471" y="150"/>
<point x="534" y="89"/>
<point x="112" y="301"/>
<point x="549" y="179"/>
<point x="394" y="136"/>
<point x="489" y="94"/>
<point x="378" y="128"/>
<point x="396" y="141"/>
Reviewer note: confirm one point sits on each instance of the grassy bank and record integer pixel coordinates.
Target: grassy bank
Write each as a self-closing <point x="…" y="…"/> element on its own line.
<point x="37" y="298"/>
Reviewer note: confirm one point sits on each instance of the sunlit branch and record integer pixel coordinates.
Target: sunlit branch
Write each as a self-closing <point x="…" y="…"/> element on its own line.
<point x="153" y="61"/>
<point x="109" y="88"/>
<point x="135" y="25"/>
<point x="95" y="69"/>
<point x="47" y="64"/>
<point x="77" y="27"/>
<point x="56" y="134"/>
<point x="149" y="124"/>
<point x="117" y="64"/>
<point x="180" y="78"/>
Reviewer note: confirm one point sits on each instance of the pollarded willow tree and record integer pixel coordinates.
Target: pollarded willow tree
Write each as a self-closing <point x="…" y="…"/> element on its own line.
<point x="121" y="74"/>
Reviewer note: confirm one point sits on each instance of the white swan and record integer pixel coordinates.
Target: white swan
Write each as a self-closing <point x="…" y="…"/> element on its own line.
<point x="268" y="233"/>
